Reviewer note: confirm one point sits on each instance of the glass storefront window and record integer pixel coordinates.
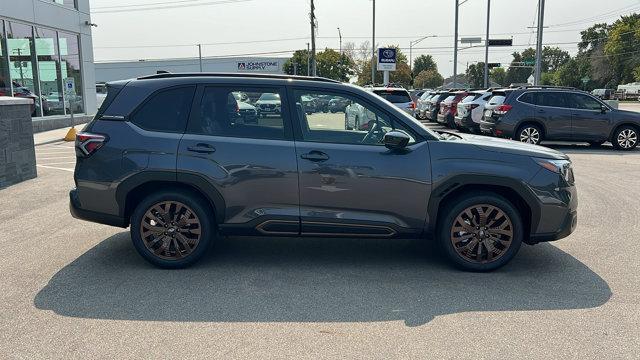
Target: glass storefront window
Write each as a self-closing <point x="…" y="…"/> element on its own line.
<point x="68" y="3"/>
<point x="5" y="83"/>
<point x="49" y="72"/>
<point x="70" y="67"/>
<point x="22" y="63"/>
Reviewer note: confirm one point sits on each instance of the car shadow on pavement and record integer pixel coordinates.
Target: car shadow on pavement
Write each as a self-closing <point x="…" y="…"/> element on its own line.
<point x="313" y="280"/>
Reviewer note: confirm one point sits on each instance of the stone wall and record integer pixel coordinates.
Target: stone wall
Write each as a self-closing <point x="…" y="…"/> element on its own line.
<point x="58" y="122"/>
<point x="17" y="153"/>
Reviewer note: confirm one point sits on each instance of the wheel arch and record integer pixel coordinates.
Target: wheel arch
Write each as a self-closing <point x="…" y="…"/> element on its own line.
<point x="131" y="191"/>
<point x="511" y="189"/>
<point x="618" y="126"/>
<point x="530" y="121"/>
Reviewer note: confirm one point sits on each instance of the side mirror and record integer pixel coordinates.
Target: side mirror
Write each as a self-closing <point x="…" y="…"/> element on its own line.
<point x="395" y="140"/>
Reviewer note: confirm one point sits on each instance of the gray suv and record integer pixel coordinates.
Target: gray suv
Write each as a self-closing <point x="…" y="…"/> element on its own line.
<point x="169" y="156"/>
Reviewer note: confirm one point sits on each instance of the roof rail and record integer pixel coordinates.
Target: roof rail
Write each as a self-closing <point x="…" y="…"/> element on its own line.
<point x="546" y="87"/>
<point x="167" y="75"/>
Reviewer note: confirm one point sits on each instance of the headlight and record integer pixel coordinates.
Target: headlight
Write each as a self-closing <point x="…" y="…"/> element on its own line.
<point x="562" y="167"/>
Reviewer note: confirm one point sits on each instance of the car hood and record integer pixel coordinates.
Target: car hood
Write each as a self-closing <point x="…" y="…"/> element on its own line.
<point x="512" y="147"/>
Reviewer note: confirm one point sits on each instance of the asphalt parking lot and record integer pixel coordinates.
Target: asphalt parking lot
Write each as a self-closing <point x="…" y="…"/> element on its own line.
<point x="74" y="289"/>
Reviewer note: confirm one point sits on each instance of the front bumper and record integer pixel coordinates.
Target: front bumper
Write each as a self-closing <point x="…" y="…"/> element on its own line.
<point x="76" y="210"/>
<point x="569" y="224"/>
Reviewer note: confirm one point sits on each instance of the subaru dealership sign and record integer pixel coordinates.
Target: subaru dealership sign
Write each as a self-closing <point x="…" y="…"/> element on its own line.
<point x="259" y="66"/>
<point x="387" y="59"/>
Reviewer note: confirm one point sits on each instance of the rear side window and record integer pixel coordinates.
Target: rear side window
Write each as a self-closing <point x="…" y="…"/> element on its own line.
<point x="166" y="110"/>
<point x="497" y="99"/>
<point x="112" y="92"/>
<point x="394" y="96"/>
<point x="528" y="98"/>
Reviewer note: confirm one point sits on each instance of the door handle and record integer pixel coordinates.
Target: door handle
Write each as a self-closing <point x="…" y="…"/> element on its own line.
<point x="202" y="148"/>
<point x="315" y="156"/>
<point x="541" y="111"/>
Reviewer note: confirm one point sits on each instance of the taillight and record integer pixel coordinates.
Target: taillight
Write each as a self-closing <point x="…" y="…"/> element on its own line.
<point x="87" y="143"/>
<point x="502" y="109"/>
<point x="412" y="105"/>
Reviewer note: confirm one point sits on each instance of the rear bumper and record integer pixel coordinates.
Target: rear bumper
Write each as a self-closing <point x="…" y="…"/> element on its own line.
<point x="78" y="212"/>
<point x="467" y="122"/>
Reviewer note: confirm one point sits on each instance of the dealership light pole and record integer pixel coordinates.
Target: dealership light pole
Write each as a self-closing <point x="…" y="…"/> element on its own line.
<point x="373" y="46"/>
<point x="538" y="69"/>
<point x="486" y="48"/>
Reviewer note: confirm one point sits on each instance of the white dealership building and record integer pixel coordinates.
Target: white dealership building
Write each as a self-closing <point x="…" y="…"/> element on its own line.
<point x="42" y="43"/>
<point x="118" y="70"/>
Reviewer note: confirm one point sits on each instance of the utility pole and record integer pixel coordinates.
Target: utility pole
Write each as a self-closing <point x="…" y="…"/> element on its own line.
<point x="340" y="36"/>
<point x="373" y="46"/>
<point x="200" y="56"/>
<point x="486" y="48"/>
<point x="538" y="69"/>
<point x="312" y="17"/>
<point x="455" y="48"/>
<point x="308" y="61"/>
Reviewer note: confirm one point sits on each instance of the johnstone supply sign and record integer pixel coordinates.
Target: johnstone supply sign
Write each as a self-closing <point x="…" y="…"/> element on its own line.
<point x="259" y="66"/>
<point x="386" y="59"/>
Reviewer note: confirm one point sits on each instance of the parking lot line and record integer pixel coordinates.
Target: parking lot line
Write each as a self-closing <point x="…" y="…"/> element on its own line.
<point x="54" y="157"/>
<point x="60" y="163"/>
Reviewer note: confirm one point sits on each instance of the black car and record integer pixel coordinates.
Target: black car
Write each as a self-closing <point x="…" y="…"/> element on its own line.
<point x="166" y="156"/>
<point x="535" y="114"/>
<point x="434" y="105"/>
<point x="338" y="104"/>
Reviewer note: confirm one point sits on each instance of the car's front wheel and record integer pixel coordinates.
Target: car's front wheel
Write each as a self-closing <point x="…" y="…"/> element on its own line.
<point x="625" y="138"/>
<point x="481" y="232"/>
<point x="529" y="133"/>
<point x="172" y="229"/>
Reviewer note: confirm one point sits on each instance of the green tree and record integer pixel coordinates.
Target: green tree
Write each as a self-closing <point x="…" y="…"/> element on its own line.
<point x="497" y="75"/>
<point x="428" y="79"/>
<point x="516" y="73"/>
<point x="553" y="58"/>
<point x="299" y="58"/>
<point x="424" y="62"/>
<point x="475" y="74"/>
<point x="572" y="72"/>
<point x="332" y="65"/>
<point x="623" y="46"/>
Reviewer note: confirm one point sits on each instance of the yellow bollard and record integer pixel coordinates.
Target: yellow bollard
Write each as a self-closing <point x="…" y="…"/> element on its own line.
<point x="71" y="134"/>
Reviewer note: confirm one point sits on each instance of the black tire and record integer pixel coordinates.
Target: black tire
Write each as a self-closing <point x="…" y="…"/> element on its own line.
<point x="200" y="209"/>
<point x="448" y="218"/>
<point x="356" y="123"/>
<point x="346" y="123"/>
<point x="529" y="133"/>
<point x="625" y="138"/>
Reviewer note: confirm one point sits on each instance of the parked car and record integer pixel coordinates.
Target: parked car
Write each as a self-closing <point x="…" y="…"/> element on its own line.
<point x="604" y="94"/>
<point x="415" y="95"/>
<point x="357" y="117"/>
<point x="449" y="108"/>
<point x="470" y="111"/>
<point x="322" y="103"/>
<point x="397" y="96"/>
<point x="309" y="104"/>
<point x="422" y="105"/>
<point x="434" y="105"/>
<point x="535" y="114"/>
<point x="338" y="104"/>
<point x="267" y="104"/>
<point x="172" y="166"/>
<point x="247" y="112"/>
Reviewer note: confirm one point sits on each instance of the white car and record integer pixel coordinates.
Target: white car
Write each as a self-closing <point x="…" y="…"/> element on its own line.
<point x="357" y="117"/>
<point x="399" y="97"/>
<point x="470" y="111"/>
<point x="422" y="106"/>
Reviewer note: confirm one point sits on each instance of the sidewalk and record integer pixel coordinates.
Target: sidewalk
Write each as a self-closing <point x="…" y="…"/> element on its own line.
<point x="47" y="137"/>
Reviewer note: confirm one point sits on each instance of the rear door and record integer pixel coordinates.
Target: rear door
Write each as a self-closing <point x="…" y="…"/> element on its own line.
<point x="554" y="112"/>
<point x="588" y="121"/>
<point x="251" y="164"/>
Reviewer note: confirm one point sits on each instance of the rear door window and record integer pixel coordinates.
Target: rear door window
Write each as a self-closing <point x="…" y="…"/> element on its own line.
<point x="394" y="96"/>
<point x="552" y="99"/>
<point x="166" y="110"/>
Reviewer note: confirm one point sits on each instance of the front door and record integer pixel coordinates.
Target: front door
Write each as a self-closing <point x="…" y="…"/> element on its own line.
<point x="588" y="122"/>
<point x="248" y="157"/>
<point x="350" y="183"/>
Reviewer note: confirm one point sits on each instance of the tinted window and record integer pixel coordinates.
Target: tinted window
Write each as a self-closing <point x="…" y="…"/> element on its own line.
<point x="394" y="96"/>
<point x="165" y="111"/>
<point x="221" y="113"/>
<point x="553" y="98"/>
<point x="581" y="101"/>
<point x="360" y="123"/>
<point x="527" y="98"/>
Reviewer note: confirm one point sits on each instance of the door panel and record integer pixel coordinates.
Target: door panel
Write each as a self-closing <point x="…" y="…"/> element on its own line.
<point x="588" y="121"/>
<point x="350" y="183"/>
<point x="250" y="160"/>
<point x="553" y="110"/>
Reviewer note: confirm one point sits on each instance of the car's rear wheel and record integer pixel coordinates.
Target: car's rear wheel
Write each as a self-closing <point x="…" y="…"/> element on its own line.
<point x="530" y="134"/>
<point x="481" y="232"/>
<point x="346" y="123"/>
<point x="172" y="229"/>
<point x="625" y="138"/>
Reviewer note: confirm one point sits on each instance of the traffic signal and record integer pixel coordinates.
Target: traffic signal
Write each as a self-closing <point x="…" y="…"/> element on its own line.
<point x="500" y="42"/>
<point x="493" y="65"/>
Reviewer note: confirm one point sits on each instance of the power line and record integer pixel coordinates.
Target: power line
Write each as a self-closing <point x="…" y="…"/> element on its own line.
<point x="145" y="4"/>
<point x="601" y="16"/>
<point x="219" y="2"/>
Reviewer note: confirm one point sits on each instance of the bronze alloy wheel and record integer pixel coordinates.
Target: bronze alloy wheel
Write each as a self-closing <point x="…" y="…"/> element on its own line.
<point x="482" y="233"/>
<point x="170" y="230"/>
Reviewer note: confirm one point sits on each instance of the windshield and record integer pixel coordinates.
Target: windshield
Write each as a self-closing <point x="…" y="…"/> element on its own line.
<point x="266" y="96"/>
<point x="394" y="96"/>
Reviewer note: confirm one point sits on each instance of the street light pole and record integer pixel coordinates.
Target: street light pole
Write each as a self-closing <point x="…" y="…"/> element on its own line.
<point x="312" y="16"/>
<point x="373" y="46"/>
<point x="200" y="56"/>
<point x="340" y="36"/>
<point x="455" y="48"/>
<point x="486" y="48"/>
<point x="538" y="69"/>
<point x="415" y="42"/>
